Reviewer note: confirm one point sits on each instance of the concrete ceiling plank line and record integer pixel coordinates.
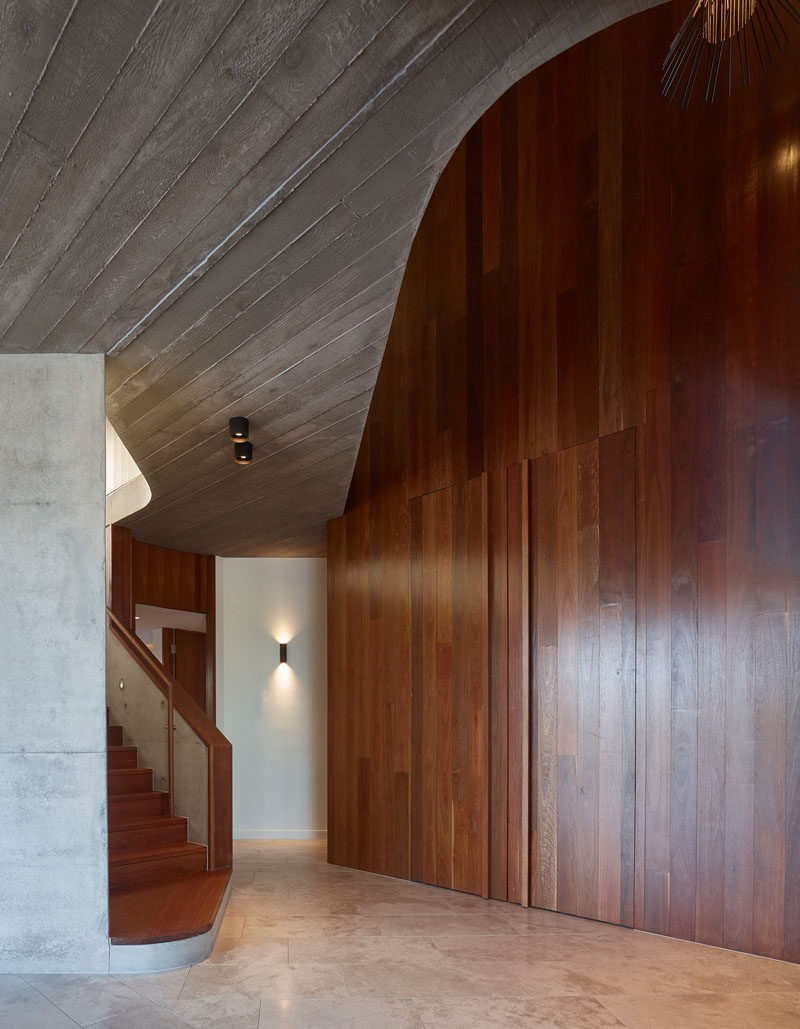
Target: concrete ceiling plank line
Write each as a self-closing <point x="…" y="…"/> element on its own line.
<point x="236" y="322"/>
<point x="29" y="33"/>
<point x="95" y="43"/>
<point x="207" y="371"/>
<point x="218" y="462"/>
<point x="293" y="430"/>
<point x="275" y="345"/>
<point x="209" y="310"/>
<point x="281" y="476"/>
<point x="228" y="73"/>
<point x="352" y="340"/>
<point x="256" y="126"/>
<point x="194" y="317"/>
<point x="220" y="496"/>
<point x="316" y="373"/>
<point x="175" y="40"/>
<point x="238" y="280"/>
<point x="317" y="133"/>
<point x="331" y="388"/>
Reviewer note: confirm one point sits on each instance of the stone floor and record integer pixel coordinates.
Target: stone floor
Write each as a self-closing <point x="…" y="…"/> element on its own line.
<point x="308" y="944"/>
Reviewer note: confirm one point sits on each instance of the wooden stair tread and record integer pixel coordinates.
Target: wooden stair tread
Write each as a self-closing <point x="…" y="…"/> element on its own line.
<point x="166" y="909"/>
<point x="146" y="822"/>
<point x="120" y="798"/>
<point x="127" y="771"/>
<point x="155" y="853"/>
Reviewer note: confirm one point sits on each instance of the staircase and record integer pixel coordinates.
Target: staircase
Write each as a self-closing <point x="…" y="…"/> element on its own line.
<point x="145" y="843"/>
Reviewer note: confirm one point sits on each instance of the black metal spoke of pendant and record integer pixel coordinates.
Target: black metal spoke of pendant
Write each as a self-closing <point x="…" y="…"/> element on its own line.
<point x="791" y="9"/>
<point x="709" y="26"/>
<point x="769" y="20"/>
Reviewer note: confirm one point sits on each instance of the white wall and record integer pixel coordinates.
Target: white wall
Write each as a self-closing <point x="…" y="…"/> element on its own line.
<point x="53" y="827"/>
<point x="275" y="716"/>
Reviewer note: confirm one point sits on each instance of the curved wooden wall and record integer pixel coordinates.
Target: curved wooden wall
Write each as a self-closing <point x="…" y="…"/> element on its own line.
<point x="593" y="261"/>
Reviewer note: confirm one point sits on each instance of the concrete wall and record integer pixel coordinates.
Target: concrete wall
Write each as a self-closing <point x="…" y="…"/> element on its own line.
<point x="53" y="835"/>
<point x="275" y="716"/>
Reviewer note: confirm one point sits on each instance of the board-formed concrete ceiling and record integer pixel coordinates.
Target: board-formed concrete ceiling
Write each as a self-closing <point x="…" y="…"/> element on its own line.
<point x="221" y="197"/>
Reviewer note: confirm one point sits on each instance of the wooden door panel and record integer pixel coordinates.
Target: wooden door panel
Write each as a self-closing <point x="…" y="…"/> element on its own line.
<point x="583" y="563"/>
<point x="190" y="664"/>
<point x="450" y="679"/>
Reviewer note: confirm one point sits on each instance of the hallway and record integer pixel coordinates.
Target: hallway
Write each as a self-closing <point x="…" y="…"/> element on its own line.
<point x="307" y="944"/>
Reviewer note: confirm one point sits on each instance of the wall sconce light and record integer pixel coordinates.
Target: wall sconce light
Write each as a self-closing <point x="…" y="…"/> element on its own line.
<point x="284" y="655"/>
<point x="238" y="429"/>
<point x="243" y="453"/>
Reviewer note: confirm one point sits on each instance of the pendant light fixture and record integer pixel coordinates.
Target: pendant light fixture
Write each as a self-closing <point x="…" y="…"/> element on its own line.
<point x="243" y="453"/>
<point x="729" y="34"/>
<point x="238" y="429"/>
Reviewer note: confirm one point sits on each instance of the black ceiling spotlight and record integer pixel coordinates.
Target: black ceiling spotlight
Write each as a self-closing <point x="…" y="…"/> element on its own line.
<point x="243" y="453"/>
<point x="238" y="429"/>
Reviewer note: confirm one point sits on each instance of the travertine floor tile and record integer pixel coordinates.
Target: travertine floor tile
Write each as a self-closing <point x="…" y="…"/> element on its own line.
<point x="213" y="1004"/>
<point x="312" y="1013"/>
<point x="24" y="1007"/>
<point x="512" y="1013"/>
<point x="150" y="1017"/>
<point x="161" y="987"/>
<point x="323" y="981"/>
<point x="445" y="924"/>
<point x="443" y="979"/>
<point x="706" y="1011"/>
<point x="350" y="950"/>
<point x="267" y="949"/>
<point x="87" y="998"/>
<point x="288" y="925"/>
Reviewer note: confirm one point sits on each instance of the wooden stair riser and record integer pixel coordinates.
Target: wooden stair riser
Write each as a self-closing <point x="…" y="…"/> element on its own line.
<point x="122" y="757"/>
<point x="123" y="808"/>
<point x="154" y="867"/>
<point x="146" y="843"/>
<point x="130" y="780"/>
<point x="162" y="833"/>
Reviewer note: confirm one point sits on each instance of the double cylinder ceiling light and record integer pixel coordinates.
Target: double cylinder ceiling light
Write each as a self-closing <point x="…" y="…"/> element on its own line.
<point x="239" y="430"/>
<point x="729" y="34"/>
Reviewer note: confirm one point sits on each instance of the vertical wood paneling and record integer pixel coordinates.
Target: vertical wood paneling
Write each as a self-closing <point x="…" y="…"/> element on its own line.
<point x="584" y="268"/>
<point x="450" y="716"/>
<point x="169" y="578"/>
<point x="585" y="677"/>
<point x="519" y="684"/>
<point x="337" y="692"/>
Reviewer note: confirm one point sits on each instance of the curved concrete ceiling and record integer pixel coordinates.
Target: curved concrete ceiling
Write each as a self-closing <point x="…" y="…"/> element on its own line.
<point x="221" y="197"/>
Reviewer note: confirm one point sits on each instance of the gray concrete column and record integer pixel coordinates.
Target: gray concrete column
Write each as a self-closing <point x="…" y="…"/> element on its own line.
<point x="53" y="830"/>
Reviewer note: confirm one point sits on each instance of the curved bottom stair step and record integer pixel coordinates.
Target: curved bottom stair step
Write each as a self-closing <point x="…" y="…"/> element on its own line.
<point x="167" y="909"/>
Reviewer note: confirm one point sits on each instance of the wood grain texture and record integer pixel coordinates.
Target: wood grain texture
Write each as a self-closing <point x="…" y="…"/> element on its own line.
<point x="649" y="380"/>
<point x="190" y="664"/>
<point x="164" y="577"/>
<point x="585" y="678"/>
<point x="451" y="719"/>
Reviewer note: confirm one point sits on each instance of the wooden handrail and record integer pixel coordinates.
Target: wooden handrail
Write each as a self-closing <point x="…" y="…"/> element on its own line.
<point x="220" y="757"/>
